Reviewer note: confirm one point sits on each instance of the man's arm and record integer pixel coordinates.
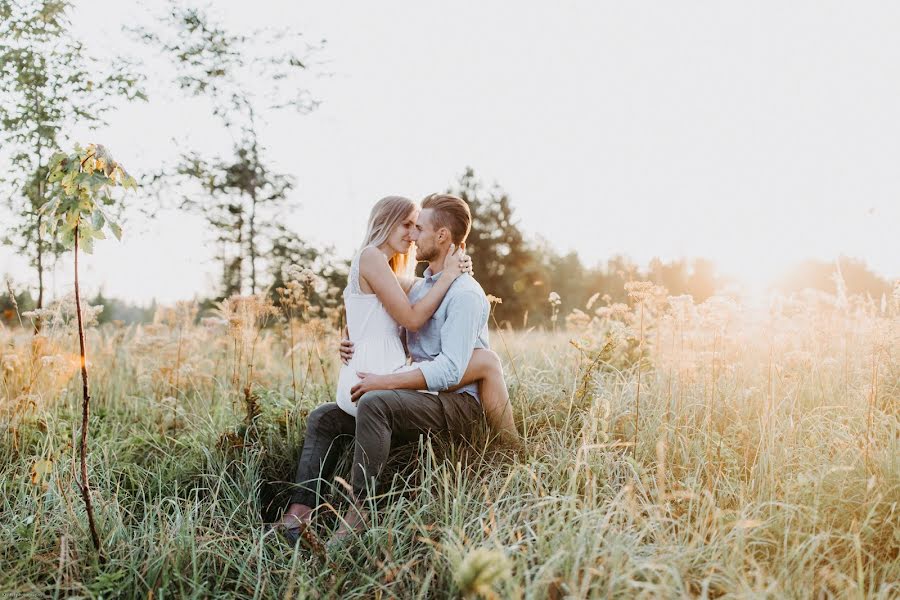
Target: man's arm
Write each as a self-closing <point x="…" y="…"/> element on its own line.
<point x="459" y="333"/>
<point x="466" y="316"/>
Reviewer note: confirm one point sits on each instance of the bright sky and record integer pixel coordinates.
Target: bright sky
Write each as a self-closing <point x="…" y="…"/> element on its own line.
<point x="756" y="134"/>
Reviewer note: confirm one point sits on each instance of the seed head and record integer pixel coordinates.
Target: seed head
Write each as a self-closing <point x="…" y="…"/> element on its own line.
<point x="479" y="570"/>
<point x="639" y="290"/>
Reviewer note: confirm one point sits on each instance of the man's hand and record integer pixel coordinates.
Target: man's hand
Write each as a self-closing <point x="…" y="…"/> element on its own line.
<point x="346" y="351"/>
<point x="369" y="382"/>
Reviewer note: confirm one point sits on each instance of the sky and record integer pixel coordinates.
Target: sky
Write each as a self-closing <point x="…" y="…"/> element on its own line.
<point x="755" y="134"/>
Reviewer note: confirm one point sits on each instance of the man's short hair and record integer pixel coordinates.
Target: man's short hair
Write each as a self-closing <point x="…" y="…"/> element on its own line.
<point x="451" y="212"/>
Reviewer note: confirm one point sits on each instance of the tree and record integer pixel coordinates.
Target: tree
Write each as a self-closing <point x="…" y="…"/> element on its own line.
<point x="566" y="276"/>
<point x="821" y="275"/>
<point x="80" y="214"/>
<point x="240" y="197"/>
<point x="703" y="281"/>
<point x="47" y="80"/>
<point x="671" y="275"/>
<point x="501" y="258"/>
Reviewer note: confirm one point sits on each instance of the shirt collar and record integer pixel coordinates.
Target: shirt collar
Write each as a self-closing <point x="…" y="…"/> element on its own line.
<point x="429" y="276"/>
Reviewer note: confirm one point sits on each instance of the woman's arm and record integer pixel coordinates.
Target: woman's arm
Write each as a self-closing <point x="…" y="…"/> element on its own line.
<point x="407" y="283"/>
<point x="374" y="269"/>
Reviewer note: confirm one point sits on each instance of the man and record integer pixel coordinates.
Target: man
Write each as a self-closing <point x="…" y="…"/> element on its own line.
<point x="390" y="409"/>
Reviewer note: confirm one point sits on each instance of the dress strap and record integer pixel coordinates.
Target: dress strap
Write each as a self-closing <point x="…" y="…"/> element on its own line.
<point x="353" y="277"/>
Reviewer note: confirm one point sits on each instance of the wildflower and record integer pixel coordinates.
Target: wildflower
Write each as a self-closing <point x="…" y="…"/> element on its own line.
<point x="494" y="299"/>
<point x="618" y="332"/>
<point x="554" y="298"/>
<point x="577" y="320"/>
<point x="38" y="314"/>
<point x="479" y="570"/>
<point x="718" y="310"/>
<point x="301" y="275"/>
<point x="61" y="313"/>
<point x="308" y="276"/>
<point x="57" y="362"/>
<point x="181" y="315"/>
<point x="840" y="286"/>
<point x="612" y="311"/>
<point x="213" y="322"/>
<point x="10" y="363"/>
<point x="640" y="290"/>
<point x="40" y="472"/>
<point x="12" y="294"/>
<point x="682" y="306"/>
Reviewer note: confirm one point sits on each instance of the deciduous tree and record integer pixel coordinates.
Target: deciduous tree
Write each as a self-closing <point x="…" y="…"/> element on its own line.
<point x="48" y="79"/>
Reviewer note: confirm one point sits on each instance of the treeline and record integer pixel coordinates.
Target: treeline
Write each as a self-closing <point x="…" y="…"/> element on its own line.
<point x="49" y="84"/>
<point x="511" y="266"/>
<point x="523" y="273"/>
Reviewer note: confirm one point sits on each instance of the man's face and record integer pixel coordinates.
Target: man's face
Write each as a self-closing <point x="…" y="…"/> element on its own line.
<point x="425" y="237"/>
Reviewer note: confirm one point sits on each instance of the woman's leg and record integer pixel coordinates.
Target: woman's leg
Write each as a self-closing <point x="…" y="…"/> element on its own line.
<point x="486" y="369"/>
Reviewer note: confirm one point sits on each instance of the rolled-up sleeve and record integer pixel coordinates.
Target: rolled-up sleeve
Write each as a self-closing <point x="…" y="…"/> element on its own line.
<point x="459" y="334"/>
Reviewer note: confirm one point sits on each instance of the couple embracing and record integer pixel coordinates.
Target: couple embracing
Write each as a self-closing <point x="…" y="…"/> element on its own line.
<point x="416" y="361"/>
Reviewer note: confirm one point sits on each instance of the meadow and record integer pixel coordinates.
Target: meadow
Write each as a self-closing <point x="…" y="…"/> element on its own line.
<point x="669" y="449"/>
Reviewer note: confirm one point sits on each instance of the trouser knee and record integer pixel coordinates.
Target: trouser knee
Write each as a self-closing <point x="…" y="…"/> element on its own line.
<point x="373" y="404"/>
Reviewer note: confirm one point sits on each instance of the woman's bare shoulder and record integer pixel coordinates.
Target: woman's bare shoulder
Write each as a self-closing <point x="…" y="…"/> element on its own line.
<point x="371" y="257"/>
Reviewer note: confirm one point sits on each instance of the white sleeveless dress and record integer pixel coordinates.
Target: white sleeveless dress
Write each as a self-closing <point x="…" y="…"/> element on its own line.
<point x="375" y="334"/>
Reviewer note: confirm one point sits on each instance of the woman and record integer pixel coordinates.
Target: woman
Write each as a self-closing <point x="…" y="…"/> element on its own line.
<point x="377" y="306"/>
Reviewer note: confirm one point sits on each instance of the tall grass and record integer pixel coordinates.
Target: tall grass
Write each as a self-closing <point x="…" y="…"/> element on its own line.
<point x="765" y="462"/>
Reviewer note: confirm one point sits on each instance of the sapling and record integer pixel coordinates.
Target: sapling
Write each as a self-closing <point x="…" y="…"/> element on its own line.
<point x="79" y="216"/>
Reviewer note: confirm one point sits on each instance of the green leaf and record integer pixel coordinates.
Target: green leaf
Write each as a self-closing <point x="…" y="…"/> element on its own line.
<point x="81" y="199"/>
<point x="87" y="244"/>
<point x="117" y="231"/>
<point x="67" y="238"/>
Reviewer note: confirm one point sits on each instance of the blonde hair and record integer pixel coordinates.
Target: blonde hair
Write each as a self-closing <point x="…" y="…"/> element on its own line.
<point x="451" y="212"/>
<point x="386" y="215"/>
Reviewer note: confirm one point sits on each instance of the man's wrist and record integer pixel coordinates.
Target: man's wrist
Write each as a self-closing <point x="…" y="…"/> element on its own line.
<point x="390" y="382"/>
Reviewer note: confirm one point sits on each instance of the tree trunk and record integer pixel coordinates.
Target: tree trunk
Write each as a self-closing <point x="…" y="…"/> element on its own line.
<point x="251" y="241"/>
<point x="40" y="270"/>
<point x="85" y="412"/>
<point x="239" y="265"/>
<point x="40" y="238"/>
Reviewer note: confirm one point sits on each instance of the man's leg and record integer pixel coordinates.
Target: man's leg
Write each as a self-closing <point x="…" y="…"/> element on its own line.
<point x="385" y="417"/>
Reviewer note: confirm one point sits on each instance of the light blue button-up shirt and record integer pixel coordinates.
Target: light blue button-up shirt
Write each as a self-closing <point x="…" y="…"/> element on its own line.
<point x="443" y="346"/>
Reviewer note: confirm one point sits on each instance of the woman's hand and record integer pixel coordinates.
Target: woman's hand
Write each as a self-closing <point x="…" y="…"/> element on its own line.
<point x="457" y="262"/>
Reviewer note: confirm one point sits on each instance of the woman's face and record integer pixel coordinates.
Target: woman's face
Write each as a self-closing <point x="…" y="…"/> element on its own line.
<point x="400" y="239"/>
